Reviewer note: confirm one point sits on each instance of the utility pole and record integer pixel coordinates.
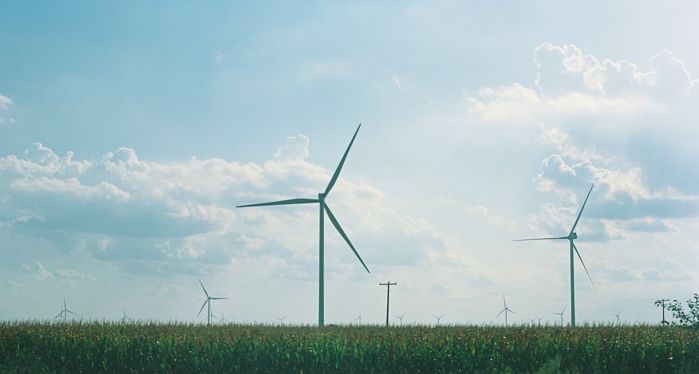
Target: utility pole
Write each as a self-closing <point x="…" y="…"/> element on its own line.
<point x="662" y="301"/>
<point x="388" y="296"/>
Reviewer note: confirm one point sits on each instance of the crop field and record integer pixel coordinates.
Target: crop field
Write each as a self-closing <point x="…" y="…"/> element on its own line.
<point x="183" y="348"/>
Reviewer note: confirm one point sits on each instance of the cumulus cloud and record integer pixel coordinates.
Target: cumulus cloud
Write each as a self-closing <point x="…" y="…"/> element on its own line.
<point x="5" y="104"/>
<point x="622" y="190"/>
<point x="41" y="273"/>
<point x="607" y="122"/>
<point x="123" y="208"/>
<point x="294" y="149"/>
<point x="570" y="84"/>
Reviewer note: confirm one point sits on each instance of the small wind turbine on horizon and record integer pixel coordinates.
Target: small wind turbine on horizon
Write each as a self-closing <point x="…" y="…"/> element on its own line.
<point x="438" y="318"/>
<point x="505" y="310"/>
<point x="207" y="302"/>
<point x="125" y="319"/>
<point x="618" y="317"/>
<point x="571" y="237"/>
<point x="400" y="318"/>
<point x="324" y="208"/>
<point x="561" y="313"/>
<point x="64" y="312"/>
<point x="281" y="320"/>
<point x="221" y="319"/>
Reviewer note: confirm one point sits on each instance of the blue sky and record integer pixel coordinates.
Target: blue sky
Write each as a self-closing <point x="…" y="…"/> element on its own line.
<point x="129" y="131"/>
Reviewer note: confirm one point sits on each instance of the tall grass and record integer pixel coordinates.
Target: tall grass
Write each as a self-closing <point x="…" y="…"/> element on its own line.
<point x="185" y="348"/>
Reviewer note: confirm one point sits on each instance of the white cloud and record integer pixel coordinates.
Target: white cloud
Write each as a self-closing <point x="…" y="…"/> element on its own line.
<point x="523" y="104"/>
<point x="396" y="81"/>
<point x="572" y="85"/>
<point x="294" y="149"/>
<point x="41" y="273"/>
<point x="5" y="104"/>
<point x="122" y="208"/>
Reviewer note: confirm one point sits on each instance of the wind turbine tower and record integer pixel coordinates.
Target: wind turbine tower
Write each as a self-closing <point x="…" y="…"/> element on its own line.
<point x="505" y="310"/>
<point x="561" y="314"/>
<point x="323" y="208"/>
<point x="64" y="312"/>
<point x="207" y="303"/>
<point x="571" y="237"/>
<point x="438" y="318"/>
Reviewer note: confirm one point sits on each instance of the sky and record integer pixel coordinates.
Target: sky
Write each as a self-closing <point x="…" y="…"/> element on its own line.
<point x="129" y="132"/>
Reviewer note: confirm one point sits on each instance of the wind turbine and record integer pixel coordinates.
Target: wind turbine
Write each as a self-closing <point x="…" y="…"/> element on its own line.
<point x="561" y="314"/>
<point x="125" y="319"/>
<point x="618" y="317"/>
<point x="207" y="302"/>
<point x="64" y="312"/>
<point x="221" y="319"/>
<point x="438" y="318"/>
<point x="571" y="237"/>
<point x="358" y="320"/>
<point x="324" y="208"/>
<point x="281" y="320"/>
<point x="400" y="318"/>
<point x="505" y="310"/>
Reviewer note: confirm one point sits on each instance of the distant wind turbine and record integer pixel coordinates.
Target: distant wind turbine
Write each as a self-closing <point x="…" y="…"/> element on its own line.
<point x="618" y="317"/>
<point x="561" y="314"/>
<point x="400" y="318"/>
<point x="324" y="208"/>
<point x="64" y="312"/>
<point x="505" y="310"/>
<point x="359" y="319"/>
<point x="207" y="303"/>
<point x="571" y="237"/>
<point x="125" y="319"/>
<point x="221" y="319"/>
<point x="438" y="318"/>
<point x="281" y="320"/>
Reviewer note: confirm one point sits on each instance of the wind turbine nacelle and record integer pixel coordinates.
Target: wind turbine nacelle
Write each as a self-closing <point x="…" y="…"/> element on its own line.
<point x="573" y="235"/>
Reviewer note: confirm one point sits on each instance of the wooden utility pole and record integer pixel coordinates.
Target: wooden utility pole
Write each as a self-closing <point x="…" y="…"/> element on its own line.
<point x="388" y="296"/>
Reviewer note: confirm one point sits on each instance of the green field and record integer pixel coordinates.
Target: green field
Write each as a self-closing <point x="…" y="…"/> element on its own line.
<point x="182" y="348"/>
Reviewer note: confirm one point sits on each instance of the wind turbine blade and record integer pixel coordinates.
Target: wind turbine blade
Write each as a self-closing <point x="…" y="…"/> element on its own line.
<point x="499" y="314"/>
<point x="344" y="236"/>
<point x="202" y="307"/>
<point x="203" y="288"/>
<point x="281" y="202"/>
<point x="526" y="240"/>
<point x="218" y="298"/>
<point x="581" y="209"/>
<point x="72" y="312"/>
<point x="511" y="311"/>
<point x="342" y="162"/>
<point x="564" y="309"/>
<point x="58" y="315"/>
<point x="583" y="264"/>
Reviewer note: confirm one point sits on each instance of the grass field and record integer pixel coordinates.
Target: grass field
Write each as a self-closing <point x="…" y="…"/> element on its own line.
<point x="182" y="348"/>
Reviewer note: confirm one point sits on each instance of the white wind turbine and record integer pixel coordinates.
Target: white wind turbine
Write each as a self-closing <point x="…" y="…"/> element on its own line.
<point x="400" y="318"/>
<point x="64" y="312"/>
<point x="324" y="208"/>
<point x="505" y="310"/>
<point x="571" y="237"/>
<point x="561" y="314"/>
<point x="207" y="302"/>
<point x="125" y="319"/>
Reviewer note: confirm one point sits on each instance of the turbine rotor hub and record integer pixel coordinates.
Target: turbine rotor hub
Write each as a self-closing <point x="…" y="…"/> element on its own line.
<point x="573" y="235"/>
